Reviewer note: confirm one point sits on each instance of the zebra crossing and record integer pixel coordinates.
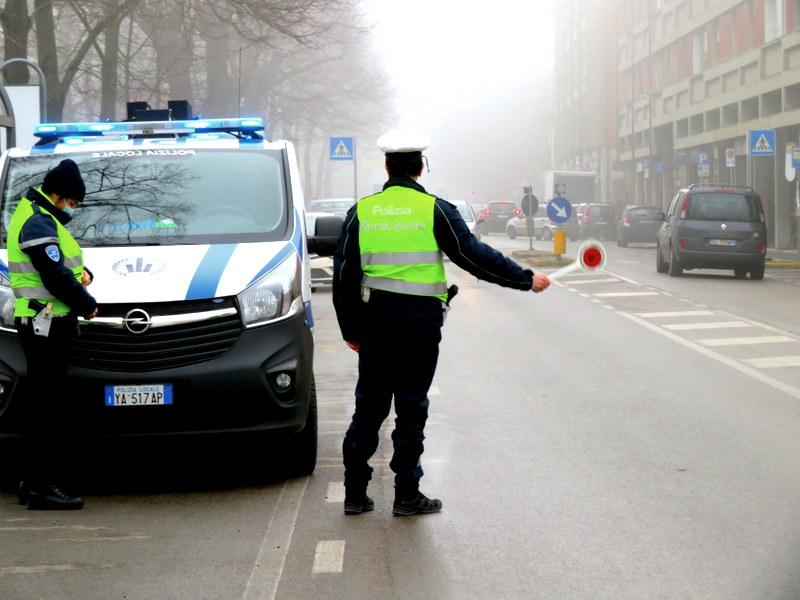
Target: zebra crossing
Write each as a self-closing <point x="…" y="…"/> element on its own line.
<point x="757" y="349"/>
<point x="791" y="276"/>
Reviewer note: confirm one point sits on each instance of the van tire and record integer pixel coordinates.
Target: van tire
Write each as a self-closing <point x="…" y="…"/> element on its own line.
<point x="301" y="451"/>
<point x="757" y="272"/>
<point x="675" y="269"/>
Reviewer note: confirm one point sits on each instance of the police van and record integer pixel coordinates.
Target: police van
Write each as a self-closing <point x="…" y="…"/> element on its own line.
<point x="194" y="231"/>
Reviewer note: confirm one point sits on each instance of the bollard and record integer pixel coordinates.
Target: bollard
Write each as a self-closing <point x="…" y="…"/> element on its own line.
<point x="559" y="242"/>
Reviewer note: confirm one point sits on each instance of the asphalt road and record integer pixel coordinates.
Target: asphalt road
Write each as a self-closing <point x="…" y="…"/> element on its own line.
<point x="623" y="435"/>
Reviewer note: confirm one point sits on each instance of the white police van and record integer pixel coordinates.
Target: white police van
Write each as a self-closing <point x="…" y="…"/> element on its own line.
<point x="194" y="230"/>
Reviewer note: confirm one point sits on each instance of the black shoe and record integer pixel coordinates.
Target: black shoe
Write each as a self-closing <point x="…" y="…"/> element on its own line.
<point x="416" y="505"/>
<point x="358" y="505"/>
<point x="50" y="497"/>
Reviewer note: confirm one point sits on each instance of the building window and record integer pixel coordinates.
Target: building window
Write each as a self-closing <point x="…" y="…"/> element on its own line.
<point x="774" y="12"/>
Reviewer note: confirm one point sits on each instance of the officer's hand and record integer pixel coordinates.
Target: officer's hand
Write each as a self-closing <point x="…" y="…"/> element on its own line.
<point x="86" y="279"/>
<point x="91" y="315"/>
<point x="353" y="346"/>
<point x="540" y="282"/>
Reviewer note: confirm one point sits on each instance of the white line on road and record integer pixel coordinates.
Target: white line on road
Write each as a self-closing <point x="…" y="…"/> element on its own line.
<point x="625" y="294"/>
<point x="104" y="538"/>
<point x="711" y="325"/>
<point x="742" y="368"/>
<point x="53" y="528"/>
<point x="268" y="570"/>
<point x="746" y="341"/>
<point x="675" y="313"/>
<point x="590" y="281"/>
<point x="774" y="362"/>
<point x="36" y="569"/>
<point x="335" y="492"/>
<point x="329" y="557"/>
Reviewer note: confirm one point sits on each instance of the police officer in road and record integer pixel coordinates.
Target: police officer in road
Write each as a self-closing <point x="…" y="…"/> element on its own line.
<point x="48" y="277"/>
<point x="390" y="293"/>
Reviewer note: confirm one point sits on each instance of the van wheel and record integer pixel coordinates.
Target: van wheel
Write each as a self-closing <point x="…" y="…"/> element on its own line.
<point x="661" y="264"/>
<point x="547" y="235"/>
<point x="301" y="451"/>
<point x="512" y="232"/>
<point x="675" y="269"/>
<point x="757" y="272"/>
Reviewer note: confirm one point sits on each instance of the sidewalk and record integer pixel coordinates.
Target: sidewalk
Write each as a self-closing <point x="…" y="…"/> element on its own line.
<point x="783" y="259"/>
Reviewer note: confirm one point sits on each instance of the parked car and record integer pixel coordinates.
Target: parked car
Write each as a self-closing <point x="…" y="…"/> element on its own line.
<point x="469" y="215"/>
<point x="542" y="226"/>
<point x="335" y="206"/>
<point x="596" y="221"/>
<point x="713" y="226"/>
<point x="639" y="224"/>
<point x="496" y="215"/>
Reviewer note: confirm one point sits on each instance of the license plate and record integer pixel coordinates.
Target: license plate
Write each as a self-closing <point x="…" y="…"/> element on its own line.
<point x="139" y="395"/>
<point x="722" y="242"/>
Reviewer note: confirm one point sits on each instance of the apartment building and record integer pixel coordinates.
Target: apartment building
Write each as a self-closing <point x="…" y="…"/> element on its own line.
<point x="693" y="76"/>
<point x="584" y="135"/>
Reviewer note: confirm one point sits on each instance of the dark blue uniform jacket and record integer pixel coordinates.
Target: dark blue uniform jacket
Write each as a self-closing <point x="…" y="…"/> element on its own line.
<point x="56" y="277"/>
<point x="455" y="241"/>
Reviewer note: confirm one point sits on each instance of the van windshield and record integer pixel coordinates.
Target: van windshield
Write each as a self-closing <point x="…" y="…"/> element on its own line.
<point x="186" y="196"/>
<point x="723" y="207"/>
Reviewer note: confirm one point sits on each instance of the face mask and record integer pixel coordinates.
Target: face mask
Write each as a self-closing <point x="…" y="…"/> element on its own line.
<point x="69" y="211"/>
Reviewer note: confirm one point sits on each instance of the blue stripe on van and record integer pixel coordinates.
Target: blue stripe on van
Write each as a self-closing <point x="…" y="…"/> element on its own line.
<point x="209" y="272"/>
<point x="297" y="238"/>
<point x="284" y="252"/>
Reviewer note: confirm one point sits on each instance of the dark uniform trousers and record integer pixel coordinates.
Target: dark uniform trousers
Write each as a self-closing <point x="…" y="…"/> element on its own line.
<point x="396" y="359"/>
<point x="48" y="420"/>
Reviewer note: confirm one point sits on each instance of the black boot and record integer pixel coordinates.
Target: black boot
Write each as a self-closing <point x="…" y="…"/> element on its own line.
<point x="419" y="504"/>
<point x="50" y="497"/>
<point x="356" y="501"/>
<point x="22" y="493"/>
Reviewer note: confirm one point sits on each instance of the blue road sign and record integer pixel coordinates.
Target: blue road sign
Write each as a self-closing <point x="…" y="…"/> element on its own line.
<point x="559" y="210"/>
<point x="341" y="148"/>
<point x="761" y="142"/>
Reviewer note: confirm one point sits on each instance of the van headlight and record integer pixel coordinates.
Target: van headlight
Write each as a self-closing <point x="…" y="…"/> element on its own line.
<point x="273" y="296"/>
<point x="7" y="304"/>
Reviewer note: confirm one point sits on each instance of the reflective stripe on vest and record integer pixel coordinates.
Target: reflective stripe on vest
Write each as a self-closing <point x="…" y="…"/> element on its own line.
<point x="399" y="252"/>
<point x="25" y="279"/>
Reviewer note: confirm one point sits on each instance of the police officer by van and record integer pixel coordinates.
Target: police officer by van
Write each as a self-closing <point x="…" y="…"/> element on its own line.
<point x="48" y="278"/>
<point x="390" y="293"/>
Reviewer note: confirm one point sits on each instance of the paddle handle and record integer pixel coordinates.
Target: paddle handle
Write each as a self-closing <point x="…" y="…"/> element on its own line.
<point x="565" y="271"/>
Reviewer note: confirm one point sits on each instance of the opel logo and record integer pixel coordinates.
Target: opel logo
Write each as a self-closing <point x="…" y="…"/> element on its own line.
<point x="137" y="321"/>
<point x="723" y="227"/>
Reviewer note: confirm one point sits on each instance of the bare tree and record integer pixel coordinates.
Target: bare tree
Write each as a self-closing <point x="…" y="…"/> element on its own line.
<point x="16" y="25"/>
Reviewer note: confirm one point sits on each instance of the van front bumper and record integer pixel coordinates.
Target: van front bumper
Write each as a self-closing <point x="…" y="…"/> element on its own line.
<point x="234" y="393"/>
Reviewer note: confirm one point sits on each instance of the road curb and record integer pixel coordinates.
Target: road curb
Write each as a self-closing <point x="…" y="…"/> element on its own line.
<point x="778" y="263"/>
<point x="541" y="258"/>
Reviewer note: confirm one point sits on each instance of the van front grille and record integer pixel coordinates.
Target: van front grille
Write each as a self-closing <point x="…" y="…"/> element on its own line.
<point x="109" y="349"/>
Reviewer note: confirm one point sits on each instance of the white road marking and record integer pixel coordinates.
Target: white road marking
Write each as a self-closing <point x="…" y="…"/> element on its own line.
<point x="711" y="325"/>
<point x="608" y="307"/>
<point x="329" y="557"/>
<point x="571" y="289"/>
<point x="774" y="362"/>
<point x="54" y="528"/>
<point x="335" y="492"/>
<point x="268" y="569"/>
<point x="624" y="294"/>
<point x="105" y="538"/>
<point x="591" y="281"/>
<point x="337" y="402"/>
<point x="746" y="341"/>
<point x="742" y="368"/>
<point x="585" y="295"/>
<point x="675" y="313"/>
<point x="36" y="569"/>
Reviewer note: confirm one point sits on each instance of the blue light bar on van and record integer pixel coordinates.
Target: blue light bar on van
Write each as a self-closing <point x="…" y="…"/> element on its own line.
<point x="78" y="130"/>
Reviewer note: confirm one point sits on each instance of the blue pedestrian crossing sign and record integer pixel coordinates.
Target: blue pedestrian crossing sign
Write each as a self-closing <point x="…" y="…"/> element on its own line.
<point x="342" y="148"/>
<point x="761" y="142"/>
<point x="559" y="210"/>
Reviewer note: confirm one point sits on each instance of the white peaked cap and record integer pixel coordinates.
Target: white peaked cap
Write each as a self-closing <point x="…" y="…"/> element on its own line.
<point x="402" y="140"/>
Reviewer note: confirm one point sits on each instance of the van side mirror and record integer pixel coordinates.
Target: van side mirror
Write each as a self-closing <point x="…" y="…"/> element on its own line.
<point x="326" y="235"/>
<point x="661" y="216"/>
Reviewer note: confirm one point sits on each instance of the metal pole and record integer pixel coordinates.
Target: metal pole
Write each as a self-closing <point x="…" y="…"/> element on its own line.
<point x="42" y="82"/>
<point x="355" y="170"/>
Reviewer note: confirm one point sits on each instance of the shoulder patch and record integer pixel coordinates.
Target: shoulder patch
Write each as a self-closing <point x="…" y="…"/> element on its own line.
<point x="53" y="252"/>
